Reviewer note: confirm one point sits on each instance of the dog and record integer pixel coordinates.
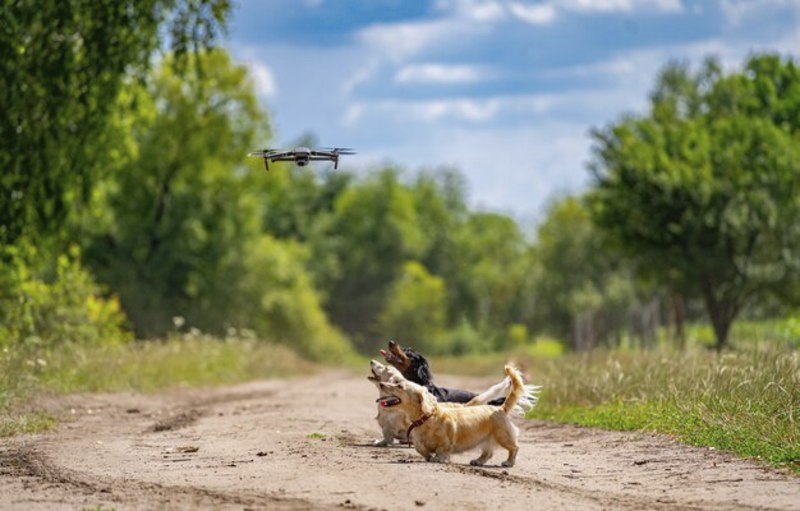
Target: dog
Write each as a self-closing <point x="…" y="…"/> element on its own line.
<point x="439" y="430"/>
<point x="415" y="368"/>
<point x="394" y="423"/>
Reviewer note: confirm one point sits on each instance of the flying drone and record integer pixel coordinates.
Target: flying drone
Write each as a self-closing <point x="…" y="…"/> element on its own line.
<point x="302" y="155"/>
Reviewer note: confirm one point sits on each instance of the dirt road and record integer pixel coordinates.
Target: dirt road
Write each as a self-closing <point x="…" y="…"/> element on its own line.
<point x="306" y="444"/>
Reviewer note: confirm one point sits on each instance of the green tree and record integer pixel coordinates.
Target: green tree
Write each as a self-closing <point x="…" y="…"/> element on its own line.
<point x="415" y="309"/>
<point x="703" y="191"/>
<point x="490" y="288"/>
<point x="62" y="65"/>
<point x="274" y="295"/>
<point x="181" y="211"/>
<point x="578" y="272"/>
<point x="372" y="231"/>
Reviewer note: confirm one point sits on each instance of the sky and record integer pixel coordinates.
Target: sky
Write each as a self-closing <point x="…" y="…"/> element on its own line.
<point x="505" y="91"/>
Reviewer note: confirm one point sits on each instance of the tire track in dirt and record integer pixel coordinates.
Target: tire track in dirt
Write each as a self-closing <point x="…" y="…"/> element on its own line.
<point x="305" y="443"/>
<point x="34" y="466"/>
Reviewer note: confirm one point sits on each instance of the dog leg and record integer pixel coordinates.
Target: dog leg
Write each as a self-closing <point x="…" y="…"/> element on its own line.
<point x="512" y="457"/>
<point x="507" y="438"/>
<point x="486" y="453"/>
<point x="440" y="457"/>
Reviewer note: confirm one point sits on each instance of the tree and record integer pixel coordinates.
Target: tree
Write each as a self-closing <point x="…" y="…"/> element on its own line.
<point x="703" y="191"/>
<point x="372" y="231"/>
<point x="414" y="311"/>
<point x="181" y="214"/>
<point x="491" y="284"/>
<point x="63" y="64"/>
<point x="579" y="274"/>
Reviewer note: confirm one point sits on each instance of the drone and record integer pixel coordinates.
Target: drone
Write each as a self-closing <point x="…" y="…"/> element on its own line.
<point x="302" y="155"/>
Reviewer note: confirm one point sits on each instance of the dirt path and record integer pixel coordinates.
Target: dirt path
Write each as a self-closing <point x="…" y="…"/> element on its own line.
<point x="261" y="446"/>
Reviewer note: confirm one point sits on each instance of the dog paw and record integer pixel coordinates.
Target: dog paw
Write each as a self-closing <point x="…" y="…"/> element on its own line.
<point x="507" y="464"/>
<point x="476" y="463"/>
<point x="380" y="443"/>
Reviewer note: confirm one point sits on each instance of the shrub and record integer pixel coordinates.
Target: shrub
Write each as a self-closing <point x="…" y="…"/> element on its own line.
<point x="50" y="302"/>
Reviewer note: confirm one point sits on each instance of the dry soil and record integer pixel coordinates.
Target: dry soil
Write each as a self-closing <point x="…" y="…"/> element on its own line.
<point x="306" y="443"/>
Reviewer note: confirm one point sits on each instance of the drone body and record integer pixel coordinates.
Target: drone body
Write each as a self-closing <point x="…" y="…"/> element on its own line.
<point x="302" y="155"/>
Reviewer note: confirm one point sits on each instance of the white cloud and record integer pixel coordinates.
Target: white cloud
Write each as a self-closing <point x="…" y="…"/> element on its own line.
<point x="264" y="79"/>
<point x="735" y="11"/>
<point x="544" y="13"/>
<point x="527" y="108"/>
<point x="513" y="169"/>
<point x="620" y="5"/>
<point x="537" y="14"/>
<point x="440" y="73"/>
<point x="400" y="41"/>
<point x="361" y="75"/>
<point x="478" y="10"/>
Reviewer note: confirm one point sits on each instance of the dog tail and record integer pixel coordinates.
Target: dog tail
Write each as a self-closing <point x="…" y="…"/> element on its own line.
<point x="517" y="390"/>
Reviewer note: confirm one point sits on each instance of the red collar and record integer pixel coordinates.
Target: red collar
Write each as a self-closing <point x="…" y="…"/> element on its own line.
<point x="417" y="423"/>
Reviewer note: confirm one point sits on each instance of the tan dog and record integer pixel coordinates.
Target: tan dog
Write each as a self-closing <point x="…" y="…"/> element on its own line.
<point x="438" y="430"/>
<point x="394" y="422"/>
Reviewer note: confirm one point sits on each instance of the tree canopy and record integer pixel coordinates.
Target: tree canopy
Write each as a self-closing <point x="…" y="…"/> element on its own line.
<point x="703" y="190"/>
<point x="64" y="63"/>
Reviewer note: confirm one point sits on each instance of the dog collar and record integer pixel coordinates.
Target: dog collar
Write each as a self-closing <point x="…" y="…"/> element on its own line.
<point x="417" y="423"/>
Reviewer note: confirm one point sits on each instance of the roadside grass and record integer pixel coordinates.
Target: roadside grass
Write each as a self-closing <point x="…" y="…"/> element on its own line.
<point x="186" y="360"/>
<point x="746" y="402"/>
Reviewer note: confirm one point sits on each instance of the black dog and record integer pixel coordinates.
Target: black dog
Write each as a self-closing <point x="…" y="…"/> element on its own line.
<point x="415" y="367"/>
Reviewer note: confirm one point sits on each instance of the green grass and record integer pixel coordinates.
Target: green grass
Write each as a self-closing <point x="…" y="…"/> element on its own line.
<point x="190" y="360"/>
<point x="746" y="402"/>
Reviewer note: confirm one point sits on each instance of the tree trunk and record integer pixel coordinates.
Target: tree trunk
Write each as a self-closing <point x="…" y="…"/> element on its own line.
<point x="678" y="314"/>
<point x="722" y="313"/>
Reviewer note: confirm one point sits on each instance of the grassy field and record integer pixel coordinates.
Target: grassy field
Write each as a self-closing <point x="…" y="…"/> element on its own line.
<point x="139" y="366"/>
<point x="746" y="401"/>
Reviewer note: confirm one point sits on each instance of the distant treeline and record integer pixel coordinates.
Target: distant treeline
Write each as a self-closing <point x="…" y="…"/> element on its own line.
<point x="128" y="206"/>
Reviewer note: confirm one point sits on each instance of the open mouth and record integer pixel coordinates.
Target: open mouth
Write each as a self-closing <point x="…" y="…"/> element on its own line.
<point x="391" y="357"/>
<point x="373" y="376"/>
<point x="388" y="401"/>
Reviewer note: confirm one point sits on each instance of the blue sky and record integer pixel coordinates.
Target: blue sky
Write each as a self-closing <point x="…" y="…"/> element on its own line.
<point x="506" y="91"/>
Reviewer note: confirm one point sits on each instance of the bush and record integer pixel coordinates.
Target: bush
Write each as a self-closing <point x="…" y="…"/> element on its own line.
<point x="277" y="299"/>
<point x="415" y="308"/>
<point x="44" y="303"/>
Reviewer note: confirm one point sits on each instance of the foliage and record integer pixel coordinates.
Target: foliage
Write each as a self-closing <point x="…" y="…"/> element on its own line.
<point x="179" y="222"/>
<point x="63" y="64"/>
<point x="371" y="232"/>
<point x="745" y="402"/>
<point x="490" y="288"/>
<point x="415" y="309"/>
<point x="184" y="236"/>
<point x="277" y="299"/>
<point x="44" y="303"/>
<point x="703" y="190"/>
<point x="580" y="272"/>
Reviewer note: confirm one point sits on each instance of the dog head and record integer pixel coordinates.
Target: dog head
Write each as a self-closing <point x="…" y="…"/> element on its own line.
<point x="410" y="363"/>
<point x="384" y="374"/>
<point x="413" y="399"/>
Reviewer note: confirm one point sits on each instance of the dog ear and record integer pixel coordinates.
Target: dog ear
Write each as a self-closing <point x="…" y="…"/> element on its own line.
<point x="424" y="372"/>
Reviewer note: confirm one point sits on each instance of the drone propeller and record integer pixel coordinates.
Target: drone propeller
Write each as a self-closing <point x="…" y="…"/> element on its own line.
<point x="341" y="150"/>
<point x="265" y="152"/>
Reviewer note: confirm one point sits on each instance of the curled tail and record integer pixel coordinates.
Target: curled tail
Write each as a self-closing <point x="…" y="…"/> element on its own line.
<point x="517" y="389"/>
